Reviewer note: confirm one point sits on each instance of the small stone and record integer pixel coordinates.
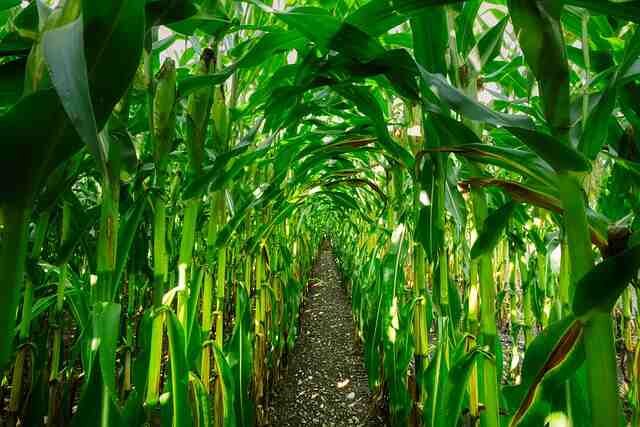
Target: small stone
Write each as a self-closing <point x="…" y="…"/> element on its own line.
<point x="342" y="384"/>
<point x="351" y="396"/>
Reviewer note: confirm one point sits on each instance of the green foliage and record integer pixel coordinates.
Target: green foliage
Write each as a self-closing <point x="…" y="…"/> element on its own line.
<point x="171" y="167"/>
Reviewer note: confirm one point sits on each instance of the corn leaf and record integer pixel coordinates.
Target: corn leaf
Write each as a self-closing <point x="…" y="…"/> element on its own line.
<point x="596" y="130"/>
<point x="227" y="387"/>
<point x="537" y="25"/>
<point x="64" y="52"/>
<point x="629" y="11"/>
<point x="492" y="230"/>
<point x="551" y="358"/>
<point x="452" y="389"/>
<point x="106" y="331"/>
<point x="600" y="288"/>
<point x="179" y="371"/>
<point x="466" y="106"/>
<point x="560" y="156"/>
<point x="7" y="4"/>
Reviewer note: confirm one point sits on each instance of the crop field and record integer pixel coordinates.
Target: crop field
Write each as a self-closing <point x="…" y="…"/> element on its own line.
<point x="240" y="213"/>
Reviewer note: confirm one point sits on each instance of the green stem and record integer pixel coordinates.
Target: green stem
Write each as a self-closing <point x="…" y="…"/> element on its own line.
<point x="107" y="253"/>
<point x="108" y="236"/>
<point x="220" y="285"/>
<point x="488" y="329"/>
<point x="17" y="392"/>
<point x="185" y="259"/>
<point x="13" y="255"/>
<point x="598" y="331"/>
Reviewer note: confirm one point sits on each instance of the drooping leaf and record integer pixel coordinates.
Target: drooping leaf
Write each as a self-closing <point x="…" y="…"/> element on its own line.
<point x="64" y="52"/>
<point x="560" y="156"/>
<point x="490" y="43"/>
<point x="368" y="105"/>
<point x="537" y="25"/>
<point x="629" y="11"/>
<point x="600" y="288"/>
<point x="468" y="107"/>
<point x="37" y="134"/>
<point x="492" y="230"/>
<point x="522" y="162"/>
<point x="536" y="196"/>
<point x="596" y="131"/>
<point x="551" y="358"/>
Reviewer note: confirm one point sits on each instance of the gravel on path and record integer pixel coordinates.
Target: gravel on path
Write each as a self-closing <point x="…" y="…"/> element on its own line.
<point x="325" y="383"/>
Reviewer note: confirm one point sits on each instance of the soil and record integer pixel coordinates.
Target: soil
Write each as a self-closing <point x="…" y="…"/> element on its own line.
<point x="325" y="383"/>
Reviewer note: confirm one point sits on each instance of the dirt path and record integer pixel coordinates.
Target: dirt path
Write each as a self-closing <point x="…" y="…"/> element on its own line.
<point x="326" y="381"/>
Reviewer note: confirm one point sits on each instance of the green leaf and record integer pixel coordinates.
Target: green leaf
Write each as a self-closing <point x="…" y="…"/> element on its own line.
<point x="355" y="43"/>
<point x="492" y="230"/>
<point x="14" y="44"/>
<point x="551" y="358"/>
<point x="466" y="106"/>
<point x="64" y="52"/>
<point x="11" y="81"/>
<point x="329" y="33"/>
<point x="107" y="333"/>
<point x="211" y="23"/>
<point x="596" y="131"/>
<point x="464" y="26"/>
<point x="370" y="107"/>
<point x="179" y="371"/>
<point x="399" y="68"/>
<point x="201" y="402"/>
<point x="453" y="387"/>
<point x="490" y="43"/>
<point x="228" y="387"/>
<point x="522" y="162"/>
<point x="268" y="45"/>
<point x="127" y="235"/>
<point x="7" y="4"/>
<point x="264" y="49"/>
<point x="239" y="354"/>
<point x="37" y="135"/>
<point x="430" y="39"/>
<point x="454" y="202"/>
<point x="452" y="130"/>
<point x="192" y="84"/>
<point x="537" y="24"/>
<point x="218" y="171"/>
<point x="376" y="17"/>
<point x="160" y="12"/>
<point x="600" y="288"/>
<point x="628" y="11"/>
<point x="81" y="221"/>
<point x="560" y="156"/>
<point x="113" y="39"/>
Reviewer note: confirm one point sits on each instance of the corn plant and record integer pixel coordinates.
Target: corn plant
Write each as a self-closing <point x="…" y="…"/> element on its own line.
<point x="171" y="167"/>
